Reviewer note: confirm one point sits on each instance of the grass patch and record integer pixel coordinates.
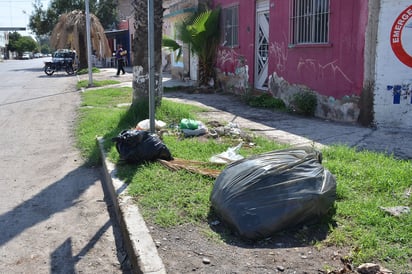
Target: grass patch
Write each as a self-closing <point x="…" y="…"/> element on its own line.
<point x="365" y="180"/>
<point x="86" y="71"/>
<point x="107" y="97"/>
<point x="99" y="83"/>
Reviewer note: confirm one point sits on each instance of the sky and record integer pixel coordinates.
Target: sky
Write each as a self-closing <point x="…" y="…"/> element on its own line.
<point x="16" y="13"/>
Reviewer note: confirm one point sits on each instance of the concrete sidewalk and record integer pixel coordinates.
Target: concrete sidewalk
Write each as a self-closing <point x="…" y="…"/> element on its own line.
<point x="281" y="127"/>
<point x="297" y="130"/>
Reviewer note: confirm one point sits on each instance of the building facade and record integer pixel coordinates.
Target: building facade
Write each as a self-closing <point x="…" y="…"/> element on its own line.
<point x="393" y="82"/>
<point x="340" y="50"/>
<point x="4" y="40"/>
<point x="186" y="67"/>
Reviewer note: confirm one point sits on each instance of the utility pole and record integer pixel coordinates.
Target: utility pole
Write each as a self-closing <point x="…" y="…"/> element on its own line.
<point x="150" y="43"/>
<point x="89" y="46"/>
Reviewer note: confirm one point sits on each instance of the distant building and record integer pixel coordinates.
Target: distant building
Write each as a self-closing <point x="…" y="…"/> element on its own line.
<point x="122" y="33"/>
<point x="175" y="12"/>
<point x="4" y="40"/>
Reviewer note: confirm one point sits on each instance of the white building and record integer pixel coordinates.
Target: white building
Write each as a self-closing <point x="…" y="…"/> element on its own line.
<point x="4" y="40"/>
<point x="393" y="82"/>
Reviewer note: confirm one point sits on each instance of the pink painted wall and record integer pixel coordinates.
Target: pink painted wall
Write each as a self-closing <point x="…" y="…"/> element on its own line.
<point x="227" y="58"/>
<point x="332" y="70"/>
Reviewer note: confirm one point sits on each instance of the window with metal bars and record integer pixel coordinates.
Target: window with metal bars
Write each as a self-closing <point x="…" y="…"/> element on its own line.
<point x="309" y="22"/>
<point x="230" y="23"/>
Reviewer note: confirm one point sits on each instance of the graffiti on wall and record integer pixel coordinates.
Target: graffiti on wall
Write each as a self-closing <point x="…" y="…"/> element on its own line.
<point x="279" y="53"/>
<point x="320" y="69"/>
<point x="401" y="92"/>
<point x="234" y="68"/>
<point x="227" y="57"/>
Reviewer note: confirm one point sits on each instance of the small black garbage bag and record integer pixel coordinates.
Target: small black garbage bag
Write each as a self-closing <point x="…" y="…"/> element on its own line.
<point x="266" y="193"/>
<point x="136" y="146"/>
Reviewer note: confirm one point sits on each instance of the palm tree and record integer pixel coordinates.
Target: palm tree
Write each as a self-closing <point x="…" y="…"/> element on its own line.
<point x="201" y="32"/>
<point x="70" y="32"/>
<point x="140" y="53"/>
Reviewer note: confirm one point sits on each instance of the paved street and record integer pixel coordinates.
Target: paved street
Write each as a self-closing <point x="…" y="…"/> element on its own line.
<point x="53" y="215"/>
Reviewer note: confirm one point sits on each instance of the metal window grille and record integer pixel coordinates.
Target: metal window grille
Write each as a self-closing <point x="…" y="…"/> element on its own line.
<point x="230" y="23"/>
<point x="309" y="21"/>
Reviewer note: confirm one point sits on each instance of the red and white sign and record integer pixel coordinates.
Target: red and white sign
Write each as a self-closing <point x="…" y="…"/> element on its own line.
<point x="397" y="43"/>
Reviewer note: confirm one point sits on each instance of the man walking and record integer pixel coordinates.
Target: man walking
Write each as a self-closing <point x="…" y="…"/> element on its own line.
<point x="120" y="53"/>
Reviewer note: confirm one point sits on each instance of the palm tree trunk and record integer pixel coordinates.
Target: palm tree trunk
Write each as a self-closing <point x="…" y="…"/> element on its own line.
<point x="82" y="51"/>
<point x="140" y="101"/>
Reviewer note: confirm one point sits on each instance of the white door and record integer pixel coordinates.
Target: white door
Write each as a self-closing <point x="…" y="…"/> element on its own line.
<point x="262" y="45"/>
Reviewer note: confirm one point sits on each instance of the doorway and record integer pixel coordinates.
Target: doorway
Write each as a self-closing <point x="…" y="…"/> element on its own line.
<point x="262" y="45"/>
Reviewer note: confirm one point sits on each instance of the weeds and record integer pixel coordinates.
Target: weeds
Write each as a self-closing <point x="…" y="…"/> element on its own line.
<point x="85" y="83"/>
<point x="265" y="101"/>
<point x="304" y="103"/>
<point x="86" y="70"/>
<point x="365" y="180"/>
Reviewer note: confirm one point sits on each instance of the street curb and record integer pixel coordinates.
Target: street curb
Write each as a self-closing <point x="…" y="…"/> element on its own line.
<point x="140" y="247"/>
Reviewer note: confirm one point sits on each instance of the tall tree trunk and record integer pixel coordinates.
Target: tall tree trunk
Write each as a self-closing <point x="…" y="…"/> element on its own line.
<point x="140" y="102"/>
<point x="82" y="53"/>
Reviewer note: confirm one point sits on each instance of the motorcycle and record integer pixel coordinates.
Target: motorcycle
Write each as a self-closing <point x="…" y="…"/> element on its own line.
<point x="62" y="61"/>
<point x="52" y="67"/>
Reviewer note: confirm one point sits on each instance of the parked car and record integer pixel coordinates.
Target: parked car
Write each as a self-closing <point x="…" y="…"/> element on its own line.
<point x="26" y="55"/>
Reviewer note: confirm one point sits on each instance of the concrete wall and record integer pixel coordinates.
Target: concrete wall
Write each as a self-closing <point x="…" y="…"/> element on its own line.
<point x="393" y="85"/>
<point x="229" y="59"/>
<point x="175" y="12"/>
<point x="334" y="71"/>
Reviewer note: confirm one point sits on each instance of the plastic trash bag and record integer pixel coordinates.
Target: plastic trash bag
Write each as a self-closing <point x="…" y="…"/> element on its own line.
<point x="266" y="193"/>
<point x="136" y="146"/>
<point x="145" y="125"/>
<point x="192" y="127"/>
<point x="228" y="156"/>
<point x="188" y="124"/>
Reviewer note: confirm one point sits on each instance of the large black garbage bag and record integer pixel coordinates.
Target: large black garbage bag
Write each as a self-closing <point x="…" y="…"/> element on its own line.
<point x="136" y="146"/>
<point x="266" y="193"/>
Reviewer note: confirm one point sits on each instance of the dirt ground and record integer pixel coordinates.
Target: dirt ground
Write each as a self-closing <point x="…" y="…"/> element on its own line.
<point x="53" y="213"/>
<point x="193" y="249"/>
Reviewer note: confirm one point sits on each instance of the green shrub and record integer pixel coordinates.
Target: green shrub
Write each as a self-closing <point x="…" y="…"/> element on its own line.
<point x="304" y="103"/>
<point x="265" y="101"/>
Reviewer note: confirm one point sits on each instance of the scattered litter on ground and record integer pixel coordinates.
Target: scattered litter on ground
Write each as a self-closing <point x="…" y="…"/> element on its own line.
<point x="191" y="166"/>
<point x="228" y="156"/>
<point x="145" y="125"/>
<point x="396" y="210"/>
<point x="370" y="268"/>
<point x="191" y="127"/>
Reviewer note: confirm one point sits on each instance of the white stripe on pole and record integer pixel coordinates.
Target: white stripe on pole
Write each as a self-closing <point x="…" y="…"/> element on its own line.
<point x="89" y="47"/>
<point x="150" y="44"/>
